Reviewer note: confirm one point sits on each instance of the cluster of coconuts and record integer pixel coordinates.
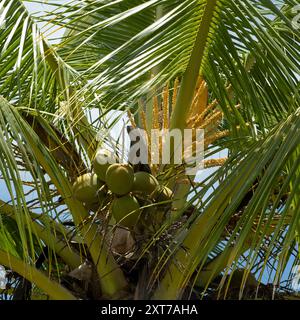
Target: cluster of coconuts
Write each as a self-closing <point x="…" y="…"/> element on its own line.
<point x="126" y="185"/>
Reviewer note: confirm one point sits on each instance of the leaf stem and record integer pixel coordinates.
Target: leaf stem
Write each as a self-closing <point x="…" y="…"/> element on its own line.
<point x="52" y="288"/>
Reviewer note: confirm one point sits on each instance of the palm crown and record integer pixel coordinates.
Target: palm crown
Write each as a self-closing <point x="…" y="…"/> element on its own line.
<point x="228" y="67"/>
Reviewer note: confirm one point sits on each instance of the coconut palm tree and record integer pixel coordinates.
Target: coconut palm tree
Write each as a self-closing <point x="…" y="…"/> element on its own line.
<point x="230" y="68"/>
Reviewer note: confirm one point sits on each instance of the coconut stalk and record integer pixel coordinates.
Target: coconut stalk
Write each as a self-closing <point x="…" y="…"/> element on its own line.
<point x="191" y="74"/>
<point x="187" y="89"/>
<point x="170" y="287"/>
<point x="61" y="248"/>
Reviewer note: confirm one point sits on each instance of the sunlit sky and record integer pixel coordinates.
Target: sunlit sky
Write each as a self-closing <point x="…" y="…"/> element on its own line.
<point x="42" y="8"/>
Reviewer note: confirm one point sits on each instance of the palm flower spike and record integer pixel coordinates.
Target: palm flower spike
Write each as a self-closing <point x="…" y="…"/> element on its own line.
<point x="202" y="115"/>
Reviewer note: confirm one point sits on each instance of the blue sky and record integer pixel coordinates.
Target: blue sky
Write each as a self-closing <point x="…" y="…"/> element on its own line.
<point x="41" y="8"/>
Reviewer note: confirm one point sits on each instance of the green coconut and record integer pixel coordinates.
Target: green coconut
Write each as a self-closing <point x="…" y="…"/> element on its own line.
<point x="144" y="182"/>
<point x="119" y="178"/>
<point x="126" y="210"/>
<point x="163" y="193"/>
<point x="86" y="187"/>
<point x="98" y="203"/>
<point x="92" y="206"/>
<point x="102" y="160"/>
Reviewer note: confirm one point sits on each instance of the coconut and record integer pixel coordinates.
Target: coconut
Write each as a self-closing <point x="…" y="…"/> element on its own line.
<point x="85" y="188"/>
<point x="126" y="210"/>
<point x="163" y="193"/>
<point x="92" y="206"/>
<point x="102" y="160"/>
<point x="119" y="178"/>
<point x="98" y="203"/>
<point x="144" y="182"/>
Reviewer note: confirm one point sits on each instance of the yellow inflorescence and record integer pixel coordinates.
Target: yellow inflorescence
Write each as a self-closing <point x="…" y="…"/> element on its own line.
<point x="214" y="162"/>
<point x="175" y="93"/>
<point x="166" y="116"/>
<point x="155" y="117"/>
<point x="131" y="119"/>
<point x="202" y="115"/>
